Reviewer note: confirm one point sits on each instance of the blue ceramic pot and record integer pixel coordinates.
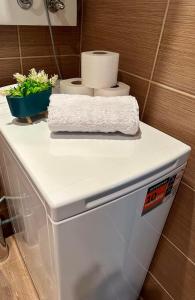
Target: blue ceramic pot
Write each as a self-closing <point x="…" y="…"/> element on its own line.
<point x="28" y="106"/>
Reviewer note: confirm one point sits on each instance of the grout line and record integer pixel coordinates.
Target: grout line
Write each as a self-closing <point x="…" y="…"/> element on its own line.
<point x="156" y="56"/>
<point x="134" y="75"/>
<point x="158" y="282"/>
<point x="49" y="56"/>
<point x="64" y="55"/>
<point x="81" y="29"/>
<point x="146" y="99"/>
<point x="179" y="250"/>
<point x="81" y="35"/>
<point x="160" y="39"/>
<point x="38" y="56"/>
<point x="186" y="184"/>
<point x="167" y="87"/>
<point x="173" y="89"/>
<point x="7" y="58"/>
<point x="20" y="49"/>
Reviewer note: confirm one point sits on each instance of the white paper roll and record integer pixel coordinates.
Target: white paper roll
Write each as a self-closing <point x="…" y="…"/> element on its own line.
<point x="99" y="69"/>
<point x="120" y="89"/>
<point x="74" y="86"/>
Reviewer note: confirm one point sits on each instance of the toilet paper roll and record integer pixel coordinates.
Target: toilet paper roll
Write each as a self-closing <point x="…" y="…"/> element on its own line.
<point x="74" y="86"/>
<point x="99" y="69"/>
<point x="120" y="89"/>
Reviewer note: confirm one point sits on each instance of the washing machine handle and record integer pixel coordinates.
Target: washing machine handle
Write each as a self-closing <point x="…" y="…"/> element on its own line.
<point x="132" y="185"/>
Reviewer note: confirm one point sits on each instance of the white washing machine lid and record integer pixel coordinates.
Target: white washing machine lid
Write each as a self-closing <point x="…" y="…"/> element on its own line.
<point x="71" y="169"/>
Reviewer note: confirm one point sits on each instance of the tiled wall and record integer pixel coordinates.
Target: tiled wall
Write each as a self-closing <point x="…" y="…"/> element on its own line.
<point x="25" y="47"/>
<point x="156" y="41"/>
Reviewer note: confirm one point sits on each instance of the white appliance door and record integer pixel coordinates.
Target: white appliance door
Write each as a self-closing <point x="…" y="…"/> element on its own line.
<point x="105" y="253"/>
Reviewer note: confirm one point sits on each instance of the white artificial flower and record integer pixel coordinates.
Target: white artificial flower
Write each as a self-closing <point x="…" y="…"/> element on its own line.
<point x="19" y="77"/>
<point x="53" y="80"/>
<point x="42" y="77"/>
<point x="4" y="92"/>
<point x="32" y="74"/>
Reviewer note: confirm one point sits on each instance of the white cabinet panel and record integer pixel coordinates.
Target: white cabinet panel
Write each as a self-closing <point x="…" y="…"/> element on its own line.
<point x="30" y="225"/>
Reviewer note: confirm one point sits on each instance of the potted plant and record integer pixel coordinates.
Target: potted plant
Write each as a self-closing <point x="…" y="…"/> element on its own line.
<point x="31" y="94"/>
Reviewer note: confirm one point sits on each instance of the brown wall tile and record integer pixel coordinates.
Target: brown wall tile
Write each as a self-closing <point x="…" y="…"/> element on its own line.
<point x="69" y="65"/>
<point x="7" y="68"/>
<point x="138" y="87"/>
<point x="174" y="114"/>
<point x="153" y="291"/>
<point x="129" y="27"/>
<point x="35" y="40"/>
<point x="9" y="41"/>
<point x="67" y="40"/>
<point x="133" y="28"/>
<point x="180" y="226"/>
<point x="176" y="60"/>
<point x="40" y="63"/>
<point x="174" y="271"/>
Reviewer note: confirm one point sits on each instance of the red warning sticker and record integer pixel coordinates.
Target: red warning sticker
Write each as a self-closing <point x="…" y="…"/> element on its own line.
<point x="157" y="193"/>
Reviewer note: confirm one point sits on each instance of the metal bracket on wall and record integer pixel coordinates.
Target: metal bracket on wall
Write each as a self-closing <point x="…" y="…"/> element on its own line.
<point x="25" y="4"/>
<point x="55" y="5"/>
<point x="11" y="198"/>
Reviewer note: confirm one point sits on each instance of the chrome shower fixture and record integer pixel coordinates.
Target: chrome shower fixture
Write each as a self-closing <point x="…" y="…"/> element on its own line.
<point x="55" y="5"/>
<point x="25" y="4"/>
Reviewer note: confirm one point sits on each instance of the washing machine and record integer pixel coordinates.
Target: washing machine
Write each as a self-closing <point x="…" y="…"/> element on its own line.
<point x="89" y="209"/>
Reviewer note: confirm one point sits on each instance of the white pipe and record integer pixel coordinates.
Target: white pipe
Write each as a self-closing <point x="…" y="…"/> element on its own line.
<point x="12" y="198"/>
<point x="2" y="198"/>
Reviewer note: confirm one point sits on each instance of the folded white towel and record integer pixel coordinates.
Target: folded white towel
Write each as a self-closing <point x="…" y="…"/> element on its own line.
<point x="79" y="113"/>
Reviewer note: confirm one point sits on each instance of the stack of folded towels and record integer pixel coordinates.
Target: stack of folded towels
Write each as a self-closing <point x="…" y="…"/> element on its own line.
<point x="105" y="113"/>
